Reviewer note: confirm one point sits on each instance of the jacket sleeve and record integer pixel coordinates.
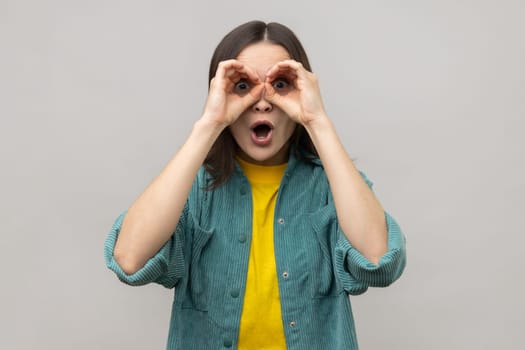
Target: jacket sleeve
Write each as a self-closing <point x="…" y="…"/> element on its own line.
<point x="357" y="273"/>
<point x="166" y="267"/>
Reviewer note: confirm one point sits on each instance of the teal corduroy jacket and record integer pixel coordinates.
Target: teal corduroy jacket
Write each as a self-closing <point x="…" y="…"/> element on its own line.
<point x="206" y="261"/>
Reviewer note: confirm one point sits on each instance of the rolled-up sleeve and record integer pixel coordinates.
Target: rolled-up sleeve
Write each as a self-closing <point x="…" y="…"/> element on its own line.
<point x="357" y="272"/>
<point x="166" y="267"/>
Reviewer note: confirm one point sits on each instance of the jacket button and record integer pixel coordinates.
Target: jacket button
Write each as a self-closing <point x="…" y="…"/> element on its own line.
<point x="243" y="190"/>
<point x="234" y="293"/>
<point x="228" y="343"/>
<point x="292" y="324"/>
<point x="242" y="238"/>
<point x="280" y="221"/>
<point x="285" y="274"/>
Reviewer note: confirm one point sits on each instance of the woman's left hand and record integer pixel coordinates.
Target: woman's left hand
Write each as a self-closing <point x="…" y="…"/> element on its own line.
<point x="296" y="91"/>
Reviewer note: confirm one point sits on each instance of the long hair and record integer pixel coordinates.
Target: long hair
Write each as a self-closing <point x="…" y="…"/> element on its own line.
<point x="220" y="160"/>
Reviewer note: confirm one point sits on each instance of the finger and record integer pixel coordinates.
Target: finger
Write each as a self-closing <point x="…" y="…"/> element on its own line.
<point x="287" y="66"/>
<point x="227" y="66"/>
<point x="224" y="69"/>
<point x="255" y="94"/>
<point x="250" y="73"/>
<point x="233" y="70"/>
<point x="230" y="72"/>
<point x="271" y="94"/>
<point x="285" y="74"/>
<point x="251" y="97"/>
<point x="235" y="77"/>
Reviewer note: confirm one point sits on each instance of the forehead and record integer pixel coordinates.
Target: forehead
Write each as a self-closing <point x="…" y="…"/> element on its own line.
<point x="262" y="56"/>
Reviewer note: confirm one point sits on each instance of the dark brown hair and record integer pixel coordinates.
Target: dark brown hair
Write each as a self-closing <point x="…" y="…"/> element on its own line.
<point x="219" y="162"/>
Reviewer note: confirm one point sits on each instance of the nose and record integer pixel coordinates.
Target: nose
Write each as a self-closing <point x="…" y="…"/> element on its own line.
<point x="262" y="105"/>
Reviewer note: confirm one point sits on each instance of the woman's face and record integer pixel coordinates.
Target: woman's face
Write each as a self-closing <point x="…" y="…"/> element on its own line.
<point x="263" y="130"/>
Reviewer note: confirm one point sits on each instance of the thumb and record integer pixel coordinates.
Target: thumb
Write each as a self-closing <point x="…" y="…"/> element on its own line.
<point x="256" y="92"/>
<point x="253" y="96"/>
<point x="270" y="94"/>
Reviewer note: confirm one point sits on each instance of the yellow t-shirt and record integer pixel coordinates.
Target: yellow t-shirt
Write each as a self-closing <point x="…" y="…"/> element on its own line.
<point x="261" y="321"/>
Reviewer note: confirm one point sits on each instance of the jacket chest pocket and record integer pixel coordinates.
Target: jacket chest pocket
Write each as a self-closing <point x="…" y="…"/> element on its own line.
<point x="323" y="227"/>
<point x="197" y="289"/>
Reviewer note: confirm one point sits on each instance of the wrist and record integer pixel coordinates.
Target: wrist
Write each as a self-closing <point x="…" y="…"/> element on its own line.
<point x="318" y="124"/>
<point x="207" y="126"/>
<point x="209" y="123"/>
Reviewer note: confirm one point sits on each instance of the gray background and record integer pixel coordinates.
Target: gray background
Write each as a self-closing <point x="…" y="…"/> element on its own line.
<point x="428" y="96"/>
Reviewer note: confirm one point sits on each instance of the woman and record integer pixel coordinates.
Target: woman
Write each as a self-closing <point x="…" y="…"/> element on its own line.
<point x="260" y="221"/>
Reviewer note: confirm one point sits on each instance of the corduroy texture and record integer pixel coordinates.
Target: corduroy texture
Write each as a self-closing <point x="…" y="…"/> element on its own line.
<point x="206" y="260"/>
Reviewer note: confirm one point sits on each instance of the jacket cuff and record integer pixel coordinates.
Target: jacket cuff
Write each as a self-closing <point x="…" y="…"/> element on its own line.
<point x="153" y="271"/>
<point x="390" y="265"/>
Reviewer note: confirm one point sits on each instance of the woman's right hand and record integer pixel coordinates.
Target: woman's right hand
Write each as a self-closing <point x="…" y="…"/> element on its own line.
<point x="234" y="89"/>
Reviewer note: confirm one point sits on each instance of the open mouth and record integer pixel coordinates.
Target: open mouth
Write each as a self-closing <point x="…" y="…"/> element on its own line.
<point x="261" y="132"/>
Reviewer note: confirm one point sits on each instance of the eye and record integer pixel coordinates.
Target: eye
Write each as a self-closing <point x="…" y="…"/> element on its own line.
<point x="280" y="84"/>
<point x="242" y="86"/>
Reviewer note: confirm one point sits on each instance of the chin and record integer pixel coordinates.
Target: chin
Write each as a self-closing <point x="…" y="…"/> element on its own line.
<point x="265" y="156"/>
